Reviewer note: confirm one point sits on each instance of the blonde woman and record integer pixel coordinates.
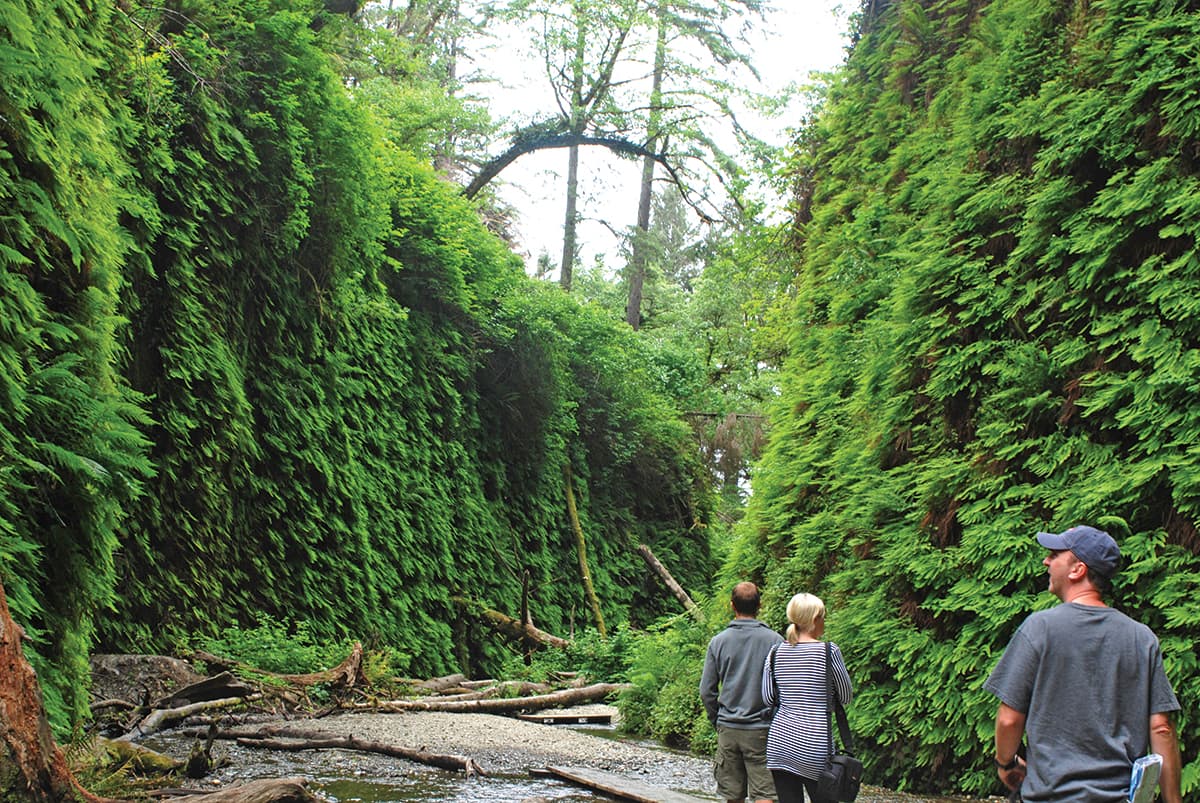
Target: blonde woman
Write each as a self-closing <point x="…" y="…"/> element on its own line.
<point x="798" y="743"/>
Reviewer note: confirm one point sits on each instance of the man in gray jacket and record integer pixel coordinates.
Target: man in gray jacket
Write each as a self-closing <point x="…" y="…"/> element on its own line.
<point x="731" y="690"/>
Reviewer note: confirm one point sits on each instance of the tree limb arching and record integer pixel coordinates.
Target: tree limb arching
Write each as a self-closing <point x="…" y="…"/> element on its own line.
<point x="528" y="141"/>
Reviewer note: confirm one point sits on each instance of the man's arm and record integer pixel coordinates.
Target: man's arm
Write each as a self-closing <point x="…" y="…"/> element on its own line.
<point x="1164" y="742"/>
<point x="1010" y="727"/>
<point x="710" y="687"/>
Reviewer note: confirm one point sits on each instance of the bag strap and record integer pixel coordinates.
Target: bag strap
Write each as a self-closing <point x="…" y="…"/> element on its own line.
<point x="832" y="702"/>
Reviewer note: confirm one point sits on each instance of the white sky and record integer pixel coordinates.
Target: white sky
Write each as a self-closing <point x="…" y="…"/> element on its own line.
<point x="799" y="37"/>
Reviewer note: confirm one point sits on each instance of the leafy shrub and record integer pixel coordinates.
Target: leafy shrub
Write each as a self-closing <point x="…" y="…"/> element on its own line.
<point x="276" y="646"/>
<point x="597" y="658"/>
<point x="665" y="699"/>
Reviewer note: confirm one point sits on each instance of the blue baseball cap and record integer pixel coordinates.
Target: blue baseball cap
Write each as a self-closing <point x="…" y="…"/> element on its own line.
<point x="1093" y="547"/>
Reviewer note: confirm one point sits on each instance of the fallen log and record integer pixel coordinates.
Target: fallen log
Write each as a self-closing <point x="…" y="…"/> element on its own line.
<point x="513" y="628"/>
<point x="113" y="754"/>
<point x="347" y="674"/>
<point x="507" y="688"/>
<point x="669" y="581"/>
<point x="267" y="790"/>
<point x="164" y="718"/>
<point x="296" y="739"/>
<point x="559" y="699"/>
<point x="216" y="687"/>
<point x="442" y="684"/>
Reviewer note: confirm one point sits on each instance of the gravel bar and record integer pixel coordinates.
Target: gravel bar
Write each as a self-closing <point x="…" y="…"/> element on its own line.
<point x="506" y="744"/>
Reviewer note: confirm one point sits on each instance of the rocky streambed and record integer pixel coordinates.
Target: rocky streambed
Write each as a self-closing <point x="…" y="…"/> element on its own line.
<point x="507" y="749"/>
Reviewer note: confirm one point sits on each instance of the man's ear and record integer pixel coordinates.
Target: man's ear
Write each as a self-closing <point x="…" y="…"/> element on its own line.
<point x="1078" y="570"/>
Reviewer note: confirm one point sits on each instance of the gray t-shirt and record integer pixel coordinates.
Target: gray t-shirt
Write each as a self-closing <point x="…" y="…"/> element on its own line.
<point x="731" y="683"/>
<point x="1087" y="679"/>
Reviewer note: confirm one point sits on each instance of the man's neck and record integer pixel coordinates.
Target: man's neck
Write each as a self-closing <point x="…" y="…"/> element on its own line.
<point x="1084" y="596"/>
<point x="744" y="616"/>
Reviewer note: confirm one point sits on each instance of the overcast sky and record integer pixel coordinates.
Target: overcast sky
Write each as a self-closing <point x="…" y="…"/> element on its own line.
<point x="799" y="37"/>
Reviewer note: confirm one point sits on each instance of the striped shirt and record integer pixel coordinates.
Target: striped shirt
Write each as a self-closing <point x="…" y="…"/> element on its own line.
<point x="798" y="740"/>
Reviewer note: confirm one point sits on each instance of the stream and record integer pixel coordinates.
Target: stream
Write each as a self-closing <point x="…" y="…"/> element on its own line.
<point x="345" y="776"/>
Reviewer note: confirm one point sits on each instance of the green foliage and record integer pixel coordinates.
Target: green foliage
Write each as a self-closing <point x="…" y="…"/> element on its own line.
<point x="597" y="658"/>
<point x="72" y="456"/>
<point x="262" y="365"/>
<point x="987" y="336"/>
<point x="665" y="699"/>
<point x="276" y="646"/>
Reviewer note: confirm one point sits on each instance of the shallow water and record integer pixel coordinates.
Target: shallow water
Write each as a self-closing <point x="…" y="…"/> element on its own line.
<point x="345" y="776"/>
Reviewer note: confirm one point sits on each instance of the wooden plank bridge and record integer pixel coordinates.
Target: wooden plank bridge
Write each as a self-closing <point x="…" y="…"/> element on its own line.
<point x="618" y="786"/>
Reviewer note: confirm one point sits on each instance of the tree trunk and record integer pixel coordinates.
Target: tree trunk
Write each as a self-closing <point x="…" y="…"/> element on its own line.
<point x="32" y="767"/>
<point x="581" y="549"/>
<point x="558" y="699"/>
<point x="637" y="259"/>
<point x="669" y="581"/>
<point x="570" y="219"/>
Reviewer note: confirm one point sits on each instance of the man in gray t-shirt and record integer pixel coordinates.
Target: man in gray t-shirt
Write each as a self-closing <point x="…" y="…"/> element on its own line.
<point x="1085" y="684"/>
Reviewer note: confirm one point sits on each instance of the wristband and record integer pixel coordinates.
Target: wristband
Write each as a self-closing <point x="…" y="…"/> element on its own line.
<point x="1007" y="766"/>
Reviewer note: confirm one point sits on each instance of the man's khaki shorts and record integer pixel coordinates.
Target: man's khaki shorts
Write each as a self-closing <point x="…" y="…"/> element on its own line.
<point x="740" y="766"/>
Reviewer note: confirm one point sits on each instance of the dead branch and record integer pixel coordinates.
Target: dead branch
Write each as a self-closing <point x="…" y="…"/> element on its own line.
<point x="524" y="142"/>
<point x="508" y="688"/>
<point x="163" y="718"/>
<point x="298" y="739"/>
<point x="669" y="581"/>
<point x="511" y="627"/>
<point x="216" y="687"/>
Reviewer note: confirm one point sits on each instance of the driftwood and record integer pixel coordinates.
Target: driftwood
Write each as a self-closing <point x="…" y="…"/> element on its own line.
<point x="669" y="581"/>
<point x="567" y="697"/>
<point x="347" y="674"/>
<point x="291" y="738"/>
<point x="512" y="627"/>
<point x="268" y="790"/>
<point x="216" y="687"/>
<point x="164" y="718"/>
<point x="509" y="688"/>
<point x="112" y="754"/>
<point x="445" y="683"/>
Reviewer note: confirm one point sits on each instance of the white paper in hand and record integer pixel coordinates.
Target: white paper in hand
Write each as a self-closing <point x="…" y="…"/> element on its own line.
<point x="1144" y="779"/>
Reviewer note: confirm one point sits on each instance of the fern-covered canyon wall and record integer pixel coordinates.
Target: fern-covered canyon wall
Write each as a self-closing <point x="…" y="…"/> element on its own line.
<point x="257" y="357"/>
<point x="258" y="360"/>
<point x="993" y="332"/>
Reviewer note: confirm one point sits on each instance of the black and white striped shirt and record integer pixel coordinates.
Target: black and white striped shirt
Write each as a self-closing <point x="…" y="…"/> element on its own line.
<point x="799" y="737"/>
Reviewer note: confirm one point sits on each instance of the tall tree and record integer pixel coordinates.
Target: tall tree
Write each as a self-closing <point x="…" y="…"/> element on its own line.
<point x="637" y="262"/>
<point x="581" y="45"/>
<point x="683" y="28"/>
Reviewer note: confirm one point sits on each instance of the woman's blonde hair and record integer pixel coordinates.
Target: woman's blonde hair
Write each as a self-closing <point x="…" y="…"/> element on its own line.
<point x="803" y="613"/>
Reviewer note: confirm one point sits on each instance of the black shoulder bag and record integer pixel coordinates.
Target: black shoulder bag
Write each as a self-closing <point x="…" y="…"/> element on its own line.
<point x="841" y="779"/>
